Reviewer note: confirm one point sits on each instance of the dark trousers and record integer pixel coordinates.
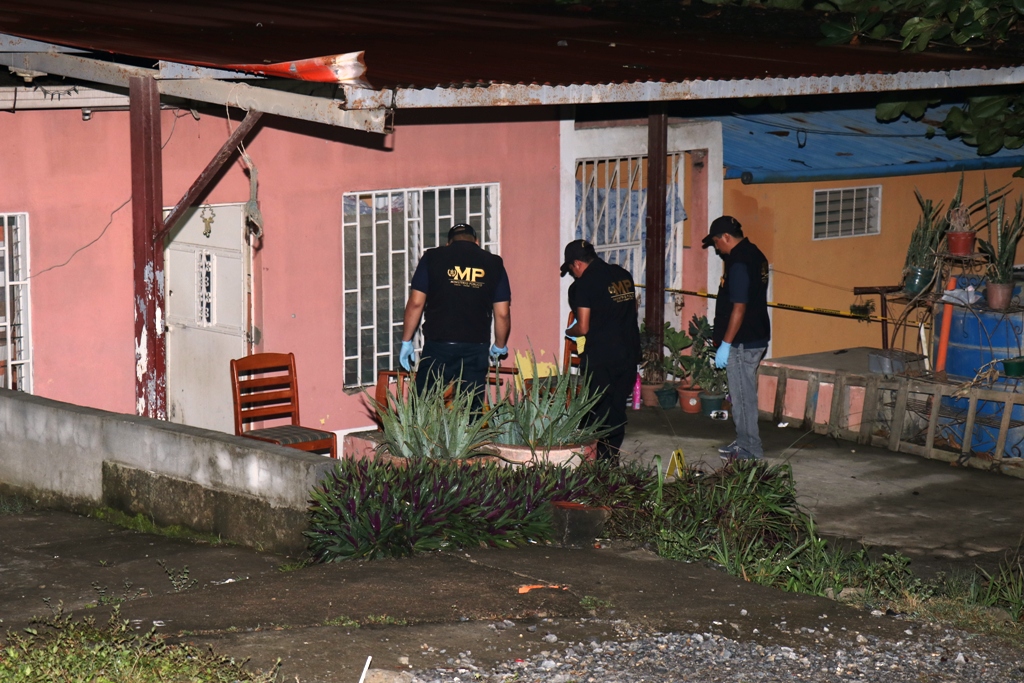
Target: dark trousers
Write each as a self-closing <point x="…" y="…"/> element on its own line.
<point x="448" y="361"/>
<point x="616" y="381"/>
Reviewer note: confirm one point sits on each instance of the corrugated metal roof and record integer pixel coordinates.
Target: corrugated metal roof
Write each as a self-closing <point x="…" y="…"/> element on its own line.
<point x="454" y="44"/>
<point x="781" y="147"/>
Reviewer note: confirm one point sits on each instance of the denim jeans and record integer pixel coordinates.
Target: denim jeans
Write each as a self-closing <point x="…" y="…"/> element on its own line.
<point x="742" y="373"/>
<point x="449" y="361"/>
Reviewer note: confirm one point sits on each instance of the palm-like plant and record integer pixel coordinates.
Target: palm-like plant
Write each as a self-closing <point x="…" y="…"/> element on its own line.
<point x="1004" y="234"/>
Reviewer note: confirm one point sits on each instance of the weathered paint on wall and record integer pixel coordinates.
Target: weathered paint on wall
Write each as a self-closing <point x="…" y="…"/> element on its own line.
<point x="71" y="174"/>
<point x="822" y="273"/>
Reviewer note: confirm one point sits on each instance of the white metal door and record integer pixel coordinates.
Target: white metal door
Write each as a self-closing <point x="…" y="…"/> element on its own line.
<point x="207" y="274"/>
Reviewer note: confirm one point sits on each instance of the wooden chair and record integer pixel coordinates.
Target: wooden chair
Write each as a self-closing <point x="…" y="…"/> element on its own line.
<point x="264" y="387"/>
<point x="398" y="378"/>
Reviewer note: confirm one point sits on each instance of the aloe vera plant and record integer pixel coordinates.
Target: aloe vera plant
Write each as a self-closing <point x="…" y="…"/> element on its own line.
<point x="547" y="412"/>
<point x="427" y="424"/>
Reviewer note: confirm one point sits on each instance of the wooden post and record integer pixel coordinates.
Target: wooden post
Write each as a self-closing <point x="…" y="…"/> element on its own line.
<point x="657" y="151"/>
<point x="148" y="255"/>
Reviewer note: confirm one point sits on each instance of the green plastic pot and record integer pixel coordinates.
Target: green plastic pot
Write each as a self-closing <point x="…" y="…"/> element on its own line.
<point x="917" y="280"/>
<point x="1014" y="367"/>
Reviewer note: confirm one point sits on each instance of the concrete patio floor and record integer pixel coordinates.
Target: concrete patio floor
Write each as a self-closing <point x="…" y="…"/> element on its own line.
<point x="928" y="510"/>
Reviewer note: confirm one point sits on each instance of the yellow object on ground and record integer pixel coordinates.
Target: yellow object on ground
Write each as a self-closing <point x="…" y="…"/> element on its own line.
<point x="677" y="464"/>
<point x="526" y="362"/>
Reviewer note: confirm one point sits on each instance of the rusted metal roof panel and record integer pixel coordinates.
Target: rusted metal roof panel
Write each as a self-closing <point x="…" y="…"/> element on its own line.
<point x="425" y="46"/>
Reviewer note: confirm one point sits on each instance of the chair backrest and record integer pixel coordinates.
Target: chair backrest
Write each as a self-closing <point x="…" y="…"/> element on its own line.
<point x="264" y="387"/>
<point x="570" y="357"/>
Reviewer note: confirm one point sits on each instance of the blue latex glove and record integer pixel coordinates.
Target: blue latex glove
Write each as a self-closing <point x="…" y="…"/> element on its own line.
<point x="569" y="336"/>
<point x="497" y="352"/>
<point x="722" y="355"/>
<point x="407" y="356"/>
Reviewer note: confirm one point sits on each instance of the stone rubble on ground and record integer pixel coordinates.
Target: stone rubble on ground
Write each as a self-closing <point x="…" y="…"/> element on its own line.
<point x="933" y="654"/>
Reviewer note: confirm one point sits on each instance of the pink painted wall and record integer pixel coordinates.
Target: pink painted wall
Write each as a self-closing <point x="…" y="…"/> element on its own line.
<point x="69" y="175"/>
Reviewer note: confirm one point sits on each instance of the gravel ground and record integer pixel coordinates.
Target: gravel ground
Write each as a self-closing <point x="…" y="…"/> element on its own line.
<point x="928" y="655"/>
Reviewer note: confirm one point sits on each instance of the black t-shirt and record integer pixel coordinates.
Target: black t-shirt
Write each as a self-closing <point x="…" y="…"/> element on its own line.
<point x="462" y="283"/>
<point x="745" y="282"/>
<point x="608" y="291"/>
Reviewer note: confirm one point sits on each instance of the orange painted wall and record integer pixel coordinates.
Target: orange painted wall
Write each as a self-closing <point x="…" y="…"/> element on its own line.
<point x="69" y="175"/>
<point x="822" y="273"/>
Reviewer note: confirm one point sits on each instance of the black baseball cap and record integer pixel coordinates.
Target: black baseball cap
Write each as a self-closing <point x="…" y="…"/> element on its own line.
<point x="723" y="225"/>
<point x="578" y="250"/>
<point x="461" y="229"/>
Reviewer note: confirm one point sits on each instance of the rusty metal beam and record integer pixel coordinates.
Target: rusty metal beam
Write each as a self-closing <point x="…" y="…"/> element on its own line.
<point x="212" y="169"/>
<point x="657" y="172"/>
<point x="240" y="95"/>
<point x="147" y="221"/>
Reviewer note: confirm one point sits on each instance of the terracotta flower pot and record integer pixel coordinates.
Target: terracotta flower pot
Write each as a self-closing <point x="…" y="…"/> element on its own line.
<point x="648" y="396"/>
<point x="689" y="398"/>
<point x="998" y="295"/>
<point x="960" y="243"/>
<point x="570" y="456"/>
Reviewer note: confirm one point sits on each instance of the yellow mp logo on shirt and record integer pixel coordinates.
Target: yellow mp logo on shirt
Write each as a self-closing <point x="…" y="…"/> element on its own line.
<point x="621" y="290"/>
<point x="465" y="274"/>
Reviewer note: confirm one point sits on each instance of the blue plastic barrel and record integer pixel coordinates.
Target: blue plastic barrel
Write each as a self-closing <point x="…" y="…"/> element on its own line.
<point x="978" y="336"/>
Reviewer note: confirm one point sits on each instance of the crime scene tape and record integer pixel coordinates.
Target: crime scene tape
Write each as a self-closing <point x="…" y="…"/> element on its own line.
<point x="791" y="307"/>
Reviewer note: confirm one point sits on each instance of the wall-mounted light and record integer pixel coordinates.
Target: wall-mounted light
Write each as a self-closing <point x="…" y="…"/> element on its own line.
<point x="86" y="114"/>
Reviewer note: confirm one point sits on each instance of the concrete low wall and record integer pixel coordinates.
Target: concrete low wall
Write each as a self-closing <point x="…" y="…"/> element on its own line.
<point x="246" y="491"/>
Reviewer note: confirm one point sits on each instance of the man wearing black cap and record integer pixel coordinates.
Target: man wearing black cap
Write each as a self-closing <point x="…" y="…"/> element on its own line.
<point x="603" y="297"/>
<point x="459" y="288"/>
<point x="741" y="330"/>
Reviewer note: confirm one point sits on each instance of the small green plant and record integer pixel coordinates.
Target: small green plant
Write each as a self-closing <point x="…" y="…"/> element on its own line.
<point x="431" y="424"/>
<point x="294" y="566"/>
<point x="700" y="364"/>
<point x="676" y="341"/>
<point x="59" y="649"/>
<point x="342" y="621"/>
<point x="1005" y="588"/>
<point x="102" y="598"/>
<point x="589" y="602"/>
<point x="384" y="620"/>
<point x="180" y="580"/>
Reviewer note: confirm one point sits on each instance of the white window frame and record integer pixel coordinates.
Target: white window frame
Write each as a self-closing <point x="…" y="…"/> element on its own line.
<point x="15" y="316"/>
<point x="838" y="221"/>
<point x="611" y="214"/>
<point x="399" y="217"/>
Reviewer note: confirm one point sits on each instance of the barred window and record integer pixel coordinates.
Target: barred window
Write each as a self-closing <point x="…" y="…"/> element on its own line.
<point x="15" y="341"/>
<point x="847" y="212"/>
<point x="384" y="235"/>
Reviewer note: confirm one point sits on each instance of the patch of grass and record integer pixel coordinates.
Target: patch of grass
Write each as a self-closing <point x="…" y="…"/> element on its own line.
<point x="384" y="620"/>
<point x="294" y="566"/>
<point x="342" y="621"/>
<point x="58" y="649"/>
<point x="589" y="602"/>
<point x="14" y="505"/>
<point x="146" y="525"/>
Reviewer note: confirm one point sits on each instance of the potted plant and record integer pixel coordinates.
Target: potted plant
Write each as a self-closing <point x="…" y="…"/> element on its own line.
<point x="677" y="341"/>
<point x="652" y="367"/>
<point x="711" y="381"/>
<point x="1004" y="234"/>
<point x="919" y="268"/>
<point x="434" y="424"/>
<point x="544" y="419"/>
